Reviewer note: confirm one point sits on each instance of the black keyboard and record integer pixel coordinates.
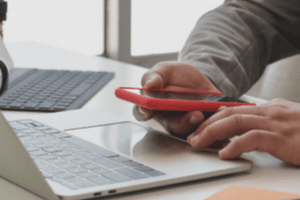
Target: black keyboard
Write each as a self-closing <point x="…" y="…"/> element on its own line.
<point x="51" y="90"/>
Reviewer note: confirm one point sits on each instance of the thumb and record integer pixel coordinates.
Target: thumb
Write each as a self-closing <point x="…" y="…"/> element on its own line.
<point x="153" y="80"/>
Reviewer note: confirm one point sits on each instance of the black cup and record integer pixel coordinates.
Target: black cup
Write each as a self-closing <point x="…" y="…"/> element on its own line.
<point x="4" y="73"/>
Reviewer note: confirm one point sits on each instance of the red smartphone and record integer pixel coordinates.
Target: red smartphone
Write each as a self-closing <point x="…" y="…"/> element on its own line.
<point x="177" y="100"/>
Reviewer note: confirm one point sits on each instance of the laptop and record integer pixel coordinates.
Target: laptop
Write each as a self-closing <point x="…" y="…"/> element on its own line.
<point x="95" y="154"/>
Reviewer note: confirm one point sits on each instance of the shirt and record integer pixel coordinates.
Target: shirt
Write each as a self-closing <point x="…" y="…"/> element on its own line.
<point x="233" y="44"/>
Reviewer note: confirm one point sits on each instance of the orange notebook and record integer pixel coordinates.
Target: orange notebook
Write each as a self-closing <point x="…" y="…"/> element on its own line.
<point x="247" y="193"/>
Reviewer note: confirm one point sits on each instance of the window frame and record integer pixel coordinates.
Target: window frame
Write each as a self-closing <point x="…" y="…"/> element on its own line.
<point x="117" y="36"/>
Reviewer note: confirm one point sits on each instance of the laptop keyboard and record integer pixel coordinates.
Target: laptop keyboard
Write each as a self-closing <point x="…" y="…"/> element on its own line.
<point x="51" y="90"/>
<point x="75" y="163"/>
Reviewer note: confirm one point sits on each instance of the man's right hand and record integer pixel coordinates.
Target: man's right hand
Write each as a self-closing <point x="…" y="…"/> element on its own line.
<point x="179" y="76"/>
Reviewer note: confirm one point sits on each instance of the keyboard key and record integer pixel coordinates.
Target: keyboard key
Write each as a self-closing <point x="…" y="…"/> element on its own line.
<point x="54" y="171"/>
<point x="84" y="185"/>
<point x="120" y="159"/>
<point x="84" y="153"/>
<point x="90" y="166"/>
<point x="116" y="177"/>
<point x="62" y="153"/>
<point x="66" y="165"/>
<point x="64" y="104"/>
<point x="92" y="157"/>
<point x="38" y="134"/>
<point x="31" y="148"/>
<point x="61" y="135"/>
<point x="75" y="180"/>
<point x="58" y="108"/>
<point x="154" y="173"/>
<point x="38" y="153"/>
<point x="36" y="124"/>
<point x="29" y="131"/>
<point x="64" y="175"/>
<point x="143" y="168"/>
<point x="3" y="104"/>
<point x="101" y="170"/>
<point x="51" y="131"/>
<point x="70" y="157"/>
<point x="87" y="174"/>
<point x="21" y="135"/>
<point x="18" y="126"/>
<point x="73" y="149"/>
<point x="69" y="98"/>
<point x="40" y="128"/>
<point x="43" y="145"/>
<point x="25" y="121"/>
<point x="31" y="104"/>
<point x="46" y="105"/>
<point x="15" y="104"/>
<point x="101" y="180"/>
<point x="47" y="157"/>
<point x="132" y="164"/>
<point x="107" y="163"/>
<point x="56" y="161"/>
<point x="72" y="187"/>
<point x="80" y="162"/>
<point x="52" y="149"/>
<point x="131" y="173"/>
<point x="76" y="170"/>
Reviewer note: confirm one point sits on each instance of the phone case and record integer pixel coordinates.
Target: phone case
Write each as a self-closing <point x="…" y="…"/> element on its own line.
<point x="172" y="104"/>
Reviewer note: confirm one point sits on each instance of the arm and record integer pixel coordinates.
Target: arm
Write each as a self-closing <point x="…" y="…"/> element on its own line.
<point x="233" y="44"/>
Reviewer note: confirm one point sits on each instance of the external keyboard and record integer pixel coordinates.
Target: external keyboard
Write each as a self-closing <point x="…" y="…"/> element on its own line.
<point x="51" y="90"/>
<point x="75" y="163"/>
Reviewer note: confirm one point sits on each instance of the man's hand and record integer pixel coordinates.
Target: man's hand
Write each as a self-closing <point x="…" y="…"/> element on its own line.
<point x="174" y="75"/>
<point x="273" y="127"/>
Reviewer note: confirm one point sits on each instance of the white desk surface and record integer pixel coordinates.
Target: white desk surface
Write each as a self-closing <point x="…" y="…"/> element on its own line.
<point x="267" y="173"/>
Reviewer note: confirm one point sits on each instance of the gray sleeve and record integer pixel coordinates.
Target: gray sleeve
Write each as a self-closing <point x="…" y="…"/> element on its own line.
<point x="233" y="44"/>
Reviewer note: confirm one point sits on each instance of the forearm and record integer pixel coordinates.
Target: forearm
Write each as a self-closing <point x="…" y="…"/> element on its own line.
<point x="233" y="44"/>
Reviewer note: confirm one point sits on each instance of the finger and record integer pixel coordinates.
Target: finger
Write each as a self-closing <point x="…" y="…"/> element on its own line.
<point x="260" y="140"/>
<point x="230" y="111"/>
<point x="142" y="114"/>
<point x="153" y="79"/>
<point x="158" y="76"/>
<point x="179" y="123"/>
<point x="227" y="128"/>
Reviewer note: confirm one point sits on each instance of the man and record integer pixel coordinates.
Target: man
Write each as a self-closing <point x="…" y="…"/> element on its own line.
<point x="228" y="51"/>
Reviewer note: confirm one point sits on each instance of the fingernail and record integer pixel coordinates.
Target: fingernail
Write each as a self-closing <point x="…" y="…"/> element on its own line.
<point x="151" y="78"/>
<point x="188" y="139"/>
<point x="222" y="108"/>
<point x="223" y="153"/>
<point x="193" y="139"/>
<point x="141" y="111"/>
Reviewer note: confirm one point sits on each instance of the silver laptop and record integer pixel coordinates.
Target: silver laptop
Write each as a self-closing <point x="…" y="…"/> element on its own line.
<point x="86" y="153"/>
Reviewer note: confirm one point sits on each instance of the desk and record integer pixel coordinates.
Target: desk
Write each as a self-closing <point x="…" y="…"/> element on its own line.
<point x="267" y="173"/>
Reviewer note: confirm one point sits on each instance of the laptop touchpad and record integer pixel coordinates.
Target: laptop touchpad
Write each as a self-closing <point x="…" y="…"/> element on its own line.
<point x="129" y="139"/>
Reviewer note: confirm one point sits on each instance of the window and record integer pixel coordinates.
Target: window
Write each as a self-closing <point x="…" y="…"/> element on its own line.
<point x="142" y="32"/>
<point x="162" y="26"/>
<point x="74" y="25"/>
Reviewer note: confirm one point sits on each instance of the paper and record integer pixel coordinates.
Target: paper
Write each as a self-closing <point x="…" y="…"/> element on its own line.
<point x="247" y="193"/>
